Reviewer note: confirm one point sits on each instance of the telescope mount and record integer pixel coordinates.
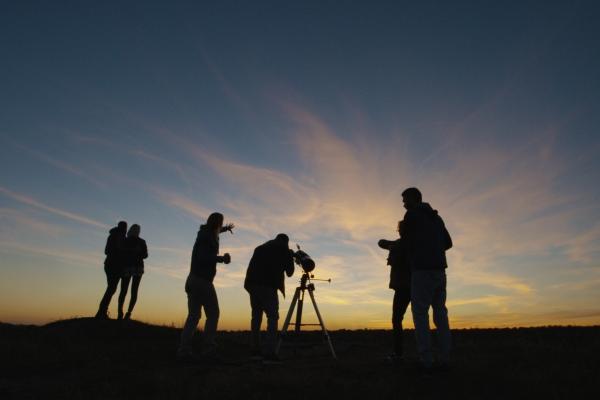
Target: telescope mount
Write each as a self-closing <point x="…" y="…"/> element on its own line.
<point x="298" y="300"/>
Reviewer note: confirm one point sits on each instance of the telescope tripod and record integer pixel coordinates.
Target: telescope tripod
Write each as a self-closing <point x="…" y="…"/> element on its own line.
<point x="298" y="300"/>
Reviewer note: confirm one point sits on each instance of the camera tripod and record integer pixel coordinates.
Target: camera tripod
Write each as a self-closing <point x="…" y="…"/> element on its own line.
<point x="298" y="300"/>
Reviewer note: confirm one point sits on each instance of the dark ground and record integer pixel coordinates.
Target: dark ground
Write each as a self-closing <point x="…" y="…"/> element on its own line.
<point x="84" y="358"/>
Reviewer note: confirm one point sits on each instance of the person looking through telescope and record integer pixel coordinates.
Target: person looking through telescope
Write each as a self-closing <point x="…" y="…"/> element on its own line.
<point x="264" y="276"/>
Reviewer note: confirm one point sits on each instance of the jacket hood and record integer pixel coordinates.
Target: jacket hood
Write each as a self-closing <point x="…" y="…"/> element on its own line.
<point x="425" y="208"/>
<point x="114" y="230"/>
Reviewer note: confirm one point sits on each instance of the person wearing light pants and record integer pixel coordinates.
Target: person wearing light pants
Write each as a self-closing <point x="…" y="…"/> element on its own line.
<point x="427" y="241"/>
<point x="201" y="291"/>
<point x="428" y="288"/>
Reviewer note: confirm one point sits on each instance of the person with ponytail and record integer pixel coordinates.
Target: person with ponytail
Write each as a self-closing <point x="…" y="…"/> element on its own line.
<point x="201" y="290"/>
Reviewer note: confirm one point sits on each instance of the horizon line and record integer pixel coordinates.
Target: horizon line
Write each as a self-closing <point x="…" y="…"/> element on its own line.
<point x="174" y="326"/>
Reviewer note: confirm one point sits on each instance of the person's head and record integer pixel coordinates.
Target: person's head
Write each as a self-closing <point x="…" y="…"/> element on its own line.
<point x="134" y="231"/>
<point x="411" y="197"/>
<point x="400" y="228"/>
<point x="122" y="226"/>
<point x="214" y="223"/>
<point x="282" y="239"/>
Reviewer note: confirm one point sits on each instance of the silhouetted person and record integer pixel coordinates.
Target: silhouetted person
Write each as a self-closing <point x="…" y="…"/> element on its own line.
<point x="113" y="265"/>
<point x="135" y="253"/>
<point x="264" y="277"/>
<point x="400" y="277"/>
<point x="200" y="289"/>
<point x="427" y="241"/>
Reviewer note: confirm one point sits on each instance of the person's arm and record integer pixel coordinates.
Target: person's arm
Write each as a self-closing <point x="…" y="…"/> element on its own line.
<point x="385" y="244"/>
<point x="108" y="248"/>
<point x="289" y="263"/>
<point x="447" y="239"/>
<point x="144" y="249"/>
<point x="229" y="227"/>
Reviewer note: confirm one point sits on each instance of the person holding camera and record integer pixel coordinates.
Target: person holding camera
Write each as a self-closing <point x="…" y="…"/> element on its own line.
<point x="400" y="282"/>
<point x="200" y="289"/>
<point x="264" y="276"/>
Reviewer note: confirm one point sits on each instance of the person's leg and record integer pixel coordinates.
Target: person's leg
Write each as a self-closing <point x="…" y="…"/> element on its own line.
<point x="123" y="293"/>
<point x="401" y="301"/>
<point x="440" y="318"/>
<point x="420" y="301"/>
<point x="396" y="324"/>
<point x="191" y="322"/>
<point x="271" y="306"/>
<point x="135" y="285"/>
<point x="112" y="281"/>
<point x="257" y="311"/>
<point x="211" y="309"/>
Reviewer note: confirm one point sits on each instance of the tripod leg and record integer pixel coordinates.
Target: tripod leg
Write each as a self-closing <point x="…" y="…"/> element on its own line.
<point x="298" y="325"/>
<point x="312" y="297"/>
<point x="288" y="318"/>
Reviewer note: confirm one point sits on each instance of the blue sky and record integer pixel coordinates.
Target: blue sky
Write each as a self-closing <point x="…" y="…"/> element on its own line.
<point x="308" y="119"/>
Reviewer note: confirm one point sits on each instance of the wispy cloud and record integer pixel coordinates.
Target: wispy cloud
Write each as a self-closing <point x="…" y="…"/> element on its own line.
<point x="143" y="154"/>
<point x="62" y="165"/>
<point x="225" y="84"/>
<point x="64" y="254"/>
<point x="276" y="198"/>
<point x="495" y="301"/>
<point x="585" y="246"/>
<point x="183" y="203"/>
<point x="13" y="219"/>
<point x="23" y="199"/>
<point x="171" y="250"/>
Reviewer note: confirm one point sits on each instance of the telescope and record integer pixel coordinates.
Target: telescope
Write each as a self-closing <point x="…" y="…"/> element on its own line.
<point x="303" y="259"/>
<point x="308" y="265"/>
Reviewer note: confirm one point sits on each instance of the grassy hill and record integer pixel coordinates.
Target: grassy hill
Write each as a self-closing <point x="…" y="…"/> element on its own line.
<point x="85" y="358"/>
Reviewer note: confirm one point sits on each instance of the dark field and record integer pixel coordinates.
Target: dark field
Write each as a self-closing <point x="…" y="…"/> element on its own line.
<point x="90" y="359"/>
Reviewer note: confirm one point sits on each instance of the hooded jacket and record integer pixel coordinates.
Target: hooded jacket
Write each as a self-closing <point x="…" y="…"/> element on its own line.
<point x="115" y="250"/>
<point x="267" y="265"/>
<point x="205" y="255"/>
<point x="427" y="238"/>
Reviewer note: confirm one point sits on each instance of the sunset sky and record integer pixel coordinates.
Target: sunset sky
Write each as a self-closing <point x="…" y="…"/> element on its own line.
<point x="308" y="119"/>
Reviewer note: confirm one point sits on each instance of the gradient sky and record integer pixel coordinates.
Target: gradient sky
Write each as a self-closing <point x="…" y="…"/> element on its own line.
<point x="308" y="119"/>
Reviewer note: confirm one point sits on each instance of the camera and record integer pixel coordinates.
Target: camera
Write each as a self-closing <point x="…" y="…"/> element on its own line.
<point x="303" y="259"/>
